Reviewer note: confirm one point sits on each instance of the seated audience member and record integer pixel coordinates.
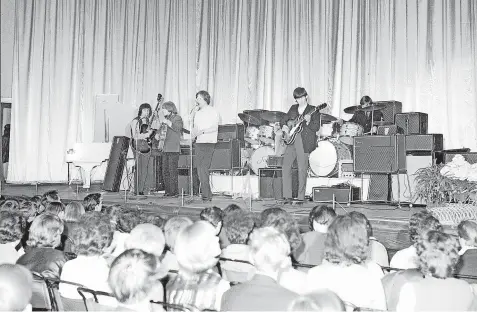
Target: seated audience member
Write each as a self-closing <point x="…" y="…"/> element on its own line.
<point x="281" y="220"/>
<point x="148" y="238"/>
<point x="127" y="220"/>
<point x="92" y="235"/>
<point x="41" y="256"/>
<point x="437" y="290"/>
<point x="29" y="210"/>
<point x="56" y="208"/>
<point x="16" y="285"/>
<point x="312" y="248"/>
<point x="73" y="213"/>
<point x="321" y="300"/>
<point x="213" y="215"/>
<point x="418" y="223"/>
<point x="155" y="220"/>
<point x="467" y="264"/>
<point x="231" y="208"/>
<point x="378" y="252"/>
<point x="196" y="284"/>
<point x="344" y="270"/>
<point x="112" y="212"/>
<point x="270" y="252"/>
<point x="93" y="202"/>
<point x="134" y="281"/>
<point x="237" y="227"/>
<point x="10" y="204"/>
<point x="49" y="197"/>
<point x="11" y="232"/>
<point x="172" y="228"/>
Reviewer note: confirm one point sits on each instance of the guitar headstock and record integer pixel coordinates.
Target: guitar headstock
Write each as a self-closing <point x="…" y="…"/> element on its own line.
<point x="159" y="98"/>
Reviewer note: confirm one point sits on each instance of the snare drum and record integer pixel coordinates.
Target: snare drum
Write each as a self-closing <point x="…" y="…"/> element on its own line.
<point x="324" y="160"/>
<point x="266" y="135"/>
<point x="350" y="130"/>
<point x="252" y="135"/>
<point x="260" y="157"/>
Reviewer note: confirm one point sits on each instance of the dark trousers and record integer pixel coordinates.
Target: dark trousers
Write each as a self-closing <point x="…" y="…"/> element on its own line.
<point x="170" y="172"/>
<point x="203" y="158"/>
<point x="144" y="178"/>
<point x="292" y="152"/>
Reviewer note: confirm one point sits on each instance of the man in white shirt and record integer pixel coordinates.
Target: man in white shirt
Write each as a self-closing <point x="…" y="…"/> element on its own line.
<point x="205" y="130"/>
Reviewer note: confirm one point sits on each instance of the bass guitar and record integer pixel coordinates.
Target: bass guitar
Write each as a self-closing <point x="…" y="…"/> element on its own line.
<point x="298" y="124"/>
<point x="145" y="145"/>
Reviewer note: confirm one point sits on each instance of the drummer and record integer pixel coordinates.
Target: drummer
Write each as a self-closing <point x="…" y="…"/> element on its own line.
<point x="363" y="118"/>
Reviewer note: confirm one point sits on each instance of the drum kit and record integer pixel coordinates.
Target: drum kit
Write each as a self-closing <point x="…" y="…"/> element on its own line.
<point x="263" y="138"/>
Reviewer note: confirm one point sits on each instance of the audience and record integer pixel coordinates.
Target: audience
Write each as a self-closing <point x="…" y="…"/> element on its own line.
<point x="467" y="264"/>
<point x="172" y="228"/>
<point x="16" y="285"/>
<point x="148" y="238"/>
<point x="237" y="226"/>
<point x="437" y="290"/>
<point x="41" y="256"/>
<point x="11" y="232"/>
<point x="56" y="208"/>
<point x="213" y="215"/>
<point x="93" y="202"/>
<point x="312" y="248"/>
<point x="49" y="197"/>
<point x="419" y="222"/>
<point x="134" y="281"/>
<point x="344" y="270"/>
<point x="73" y="212"/>
<point x="322" y="300"/>
<point x="127" y="220"/>
<point x="197" y="249"/>
<point x="270" y="252"/>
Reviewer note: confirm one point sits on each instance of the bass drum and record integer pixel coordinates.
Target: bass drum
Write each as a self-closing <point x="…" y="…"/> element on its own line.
<point x="260" y="158"/>
<point x="324" y="160"/>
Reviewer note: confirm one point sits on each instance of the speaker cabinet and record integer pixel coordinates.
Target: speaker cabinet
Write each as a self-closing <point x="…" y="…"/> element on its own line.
<point x="226" y="155"/>
<point x="271" y="185"/>
<point x="412" y="123"/>
<point x="117" y="161"/>
<point x="379" y="154"/>
<point x="390" y="110"/>
<point x="231" y="132"/>
<point x="387" y="130"/>
<point x="470" y="157"/>
<point x="183" y="181"/>
<point x="424" y="142"/>
<point x="379" y="187"/>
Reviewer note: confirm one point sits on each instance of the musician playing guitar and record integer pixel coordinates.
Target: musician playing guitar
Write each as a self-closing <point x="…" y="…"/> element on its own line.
<point x="302" y="145"/>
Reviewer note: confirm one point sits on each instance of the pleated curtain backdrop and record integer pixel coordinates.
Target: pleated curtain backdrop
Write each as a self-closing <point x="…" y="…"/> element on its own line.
<point x="247" y="54"/>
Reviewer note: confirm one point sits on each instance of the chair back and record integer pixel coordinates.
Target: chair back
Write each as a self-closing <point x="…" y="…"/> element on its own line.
<point x="91" y="305"/>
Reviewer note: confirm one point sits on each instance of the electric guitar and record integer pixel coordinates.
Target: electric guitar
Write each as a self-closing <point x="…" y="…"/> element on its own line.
<point x="145" y="145"/>
<point x="298" y="125"/>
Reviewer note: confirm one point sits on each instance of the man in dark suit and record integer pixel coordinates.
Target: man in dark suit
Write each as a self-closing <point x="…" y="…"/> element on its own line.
<point x="270" y="252"/>
<point x="363" y="118"/>
<point x="303" y="145"/>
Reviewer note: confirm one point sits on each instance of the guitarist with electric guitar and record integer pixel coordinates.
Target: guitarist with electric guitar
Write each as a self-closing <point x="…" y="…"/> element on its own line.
<point x="299" y="127"/>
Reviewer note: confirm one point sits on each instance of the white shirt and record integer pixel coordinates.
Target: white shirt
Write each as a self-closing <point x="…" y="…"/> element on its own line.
<point x="205" y="118"/>
<point x="8" y="253"/>
<point x="405" y="259"/>
<point x="355" y="284"/>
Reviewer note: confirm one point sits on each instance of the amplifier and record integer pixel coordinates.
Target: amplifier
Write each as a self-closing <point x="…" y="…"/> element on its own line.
<point x="231" y="132"/>
<point x="424" y="142"/>
<point x="412" y="123"/>
<point x="225" y="157"/>
<point x="390" y="110"/>
<point x="469" y="157"/>
<point x="183" y="181"/>
<point x="387" y="130"/>
<point x="345" y="169"/>
<point x="342" y="194"/>
<point x="271" y="185"/>
<point x="277" y="162"/>
<point x="379" y="154"/>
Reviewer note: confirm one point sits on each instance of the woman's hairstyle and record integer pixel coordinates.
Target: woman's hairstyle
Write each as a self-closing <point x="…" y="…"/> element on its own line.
<point x="322" y="300"/>
<point x="299" y="93"/>
<point x="360" y="216"/>
<point x="231" y="208"/>
<point x="91" y="201"/>
<point x="128" y="220"/>
<point x="155" y="220"/>
<point x="50" y="196"/>
<point x="45" y="231"/>
<point x="133" y="276"/>
<point x="414" y="221"/>
<point x="468" y="231"/>
<point x="16" y="285"/>
<point x="56" y="208"/>
<point x="283" y="221"/>
<point x="365" y="100"/>
<point x="143" y="106"/>
<point x="92" y="235"/>
<point x="237" y="226"/>
<point x="205" y="95"/>
<point x="323" y="215"/>
<point x="10" y="204"/>
<point x="172" y="227"/>
<point x="213" y="215"/>
<point x="438" y="254"/>
<point x="347" y="241"/>
<point x="269" y="248"/>
<point x="28" y="210"/>
<point x="148" y="238"/>
<point x="11" y="227"/>
<point x="170" y="107"/>
<point x="193" y="247"/>
<point x="73" y="211"/>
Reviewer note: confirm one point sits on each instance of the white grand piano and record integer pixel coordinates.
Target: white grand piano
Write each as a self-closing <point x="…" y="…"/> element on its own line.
<point x="88" y="156"/>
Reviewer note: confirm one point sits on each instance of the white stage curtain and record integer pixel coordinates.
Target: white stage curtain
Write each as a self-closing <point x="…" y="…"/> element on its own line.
<point x="247" y="54"/>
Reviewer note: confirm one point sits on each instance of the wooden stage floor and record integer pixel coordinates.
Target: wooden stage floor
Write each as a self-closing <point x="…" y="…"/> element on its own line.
<point x="390" y="222"/>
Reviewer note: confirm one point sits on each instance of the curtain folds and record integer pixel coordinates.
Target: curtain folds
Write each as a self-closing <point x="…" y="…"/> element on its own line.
<point x="248" y="54"/>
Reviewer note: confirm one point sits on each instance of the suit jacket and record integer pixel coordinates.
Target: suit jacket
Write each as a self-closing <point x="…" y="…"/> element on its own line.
<point x="308" y="135"/>
<point x="467" y="264"/>
<point x="46" y="261"/>
<point x="261" y="293"/>
<point x="361" y="118"/>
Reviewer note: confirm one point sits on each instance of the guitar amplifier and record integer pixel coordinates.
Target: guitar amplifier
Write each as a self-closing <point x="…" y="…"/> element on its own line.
<point x="412" y="123"/>
<point x="271" y="184"/>
<point x="470" y="157"/>
<point x="340" y="194"/>
<point x="387" y="130"/>
<point x="231" y="132"/>
<point x="379" y="154"/>
<point x="424" y="142"/>
<point x="225" y="157"/>
<point x="277" y="162"/>
<point x="390" y="110"/>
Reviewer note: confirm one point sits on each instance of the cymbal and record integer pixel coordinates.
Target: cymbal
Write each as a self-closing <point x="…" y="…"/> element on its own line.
<point x="351" y="109"/>
<point x="272" y="116"/>
<point x="327" y="118"/>
<point x="249" y="119"/>
<point x="372" y="108"/>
